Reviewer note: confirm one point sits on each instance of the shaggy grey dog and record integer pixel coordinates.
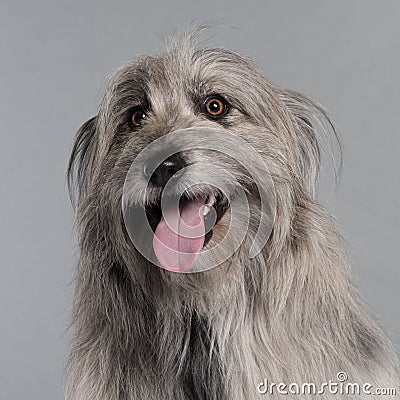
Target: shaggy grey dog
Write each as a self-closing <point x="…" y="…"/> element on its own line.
<point x="287" y="315"/>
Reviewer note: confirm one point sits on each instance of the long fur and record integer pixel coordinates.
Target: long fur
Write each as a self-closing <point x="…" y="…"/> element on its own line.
<point x="288" y="315"/>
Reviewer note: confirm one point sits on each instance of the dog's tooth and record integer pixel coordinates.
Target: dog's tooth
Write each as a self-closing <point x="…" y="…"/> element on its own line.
<point x="211" y="200"/>
<point x="206" y="210"/>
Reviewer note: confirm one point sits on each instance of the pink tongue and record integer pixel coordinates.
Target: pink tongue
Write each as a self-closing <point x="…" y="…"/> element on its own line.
<point x="178" y="243"/>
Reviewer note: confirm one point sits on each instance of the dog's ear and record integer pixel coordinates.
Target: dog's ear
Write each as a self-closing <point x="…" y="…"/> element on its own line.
<point x="313" y="128"/>
<point x="82" y="160"/>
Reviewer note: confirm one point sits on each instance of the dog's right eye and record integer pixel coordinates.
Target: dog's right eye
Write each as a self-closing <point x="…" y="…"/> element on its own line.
<point x="137" y="117"/>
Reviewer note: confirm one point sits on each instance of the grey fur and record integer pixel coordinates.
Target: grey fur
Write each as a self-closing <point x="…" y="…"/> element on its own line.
<point x="289" y="315"/>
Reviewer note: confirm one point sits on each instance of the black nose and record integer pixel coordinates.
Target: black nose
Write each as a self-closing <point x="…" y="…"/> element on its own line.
<point x="167" y="169"/>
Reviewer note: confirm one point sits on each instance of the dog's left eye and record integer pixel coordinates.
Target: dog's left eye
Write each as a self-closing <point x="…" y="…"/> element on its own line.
<point x="215" y="106"/>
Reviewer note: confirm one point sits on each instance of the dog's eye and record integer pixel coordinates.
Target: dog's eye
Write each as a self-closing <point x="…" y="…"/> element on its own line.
<point x="137" y="116"/>
<point x="215" y="106"/>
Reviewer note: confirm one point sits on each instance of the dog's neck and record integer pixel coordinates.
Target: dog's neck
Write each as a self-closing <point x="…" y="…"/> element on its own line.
<point x="198" y="353"/>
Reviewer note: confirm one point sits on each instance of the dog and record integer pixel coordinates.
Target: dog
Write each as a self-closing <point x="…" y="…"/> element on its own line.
<point x="232" y="323"/>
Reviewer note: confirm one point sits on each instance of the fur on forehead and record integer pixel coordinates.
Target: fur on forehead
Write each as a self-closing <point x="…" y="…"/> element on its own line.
<point x="183" y="73"/>
<point x="172" y="83"/>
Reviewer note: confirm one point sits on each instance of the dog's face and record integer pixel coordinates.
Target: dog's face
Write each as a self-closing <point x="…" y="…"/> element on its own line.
<point x="210" y="91"/>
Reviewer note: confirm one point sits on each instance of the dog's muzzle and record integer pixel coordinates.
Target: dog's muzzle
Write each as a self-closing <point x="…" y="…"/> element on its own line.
<point x="180" y="233"/>
<point x="185" y="204"/>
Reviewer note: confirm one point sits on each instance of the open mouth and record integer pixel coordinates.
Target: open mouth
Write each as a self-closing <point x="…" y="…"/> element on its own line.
<point x="180" y="235"/>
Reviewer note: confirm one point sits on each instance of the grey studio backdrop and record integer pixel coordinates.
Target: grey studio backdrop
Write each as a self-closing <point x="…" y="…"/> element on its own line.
<point x="55" y="56"/>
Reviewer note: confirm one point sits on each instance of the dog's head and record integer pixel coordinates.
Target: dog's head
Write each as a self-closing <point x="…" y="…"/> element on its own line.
<point x="205" y="131"/>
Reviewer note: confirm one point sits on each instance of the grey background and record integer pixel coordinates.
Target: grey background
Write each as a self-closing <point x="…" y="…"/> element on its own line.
<point x="55" y="56"/>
